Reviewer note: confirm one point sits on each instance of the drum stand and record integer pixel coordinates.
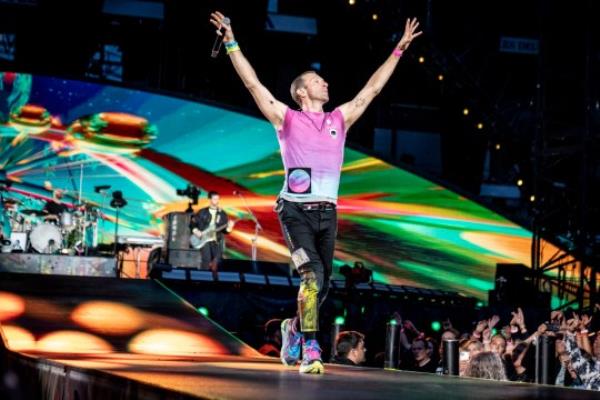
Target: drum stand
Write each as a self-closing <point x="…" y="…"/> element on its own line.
<point x="257" y="229"/>
<point x="84" y="246"/>
<point x="117" y="202"/>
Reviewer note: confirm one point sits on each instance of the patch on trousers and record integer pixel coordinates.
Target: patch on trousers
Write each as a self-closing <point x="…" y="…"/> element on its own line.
<point x="299" y="257"/>
<point x="308" y="307"/>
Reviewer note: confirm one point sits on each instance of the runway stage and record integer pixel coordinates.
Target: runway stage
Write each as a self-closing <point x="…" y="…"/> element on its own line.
<point x="119" y="376"/>
<point x="103" y="338"/>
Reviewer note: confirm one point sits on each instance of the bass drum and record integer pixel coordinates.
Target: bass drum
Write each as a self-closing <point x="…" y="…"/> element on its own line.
<point x="46" y="238"/>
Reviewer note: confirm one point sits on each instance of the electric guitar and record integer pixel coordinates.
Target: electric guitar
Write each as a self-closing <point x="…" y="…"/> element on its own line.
<point x="199" y="242"/>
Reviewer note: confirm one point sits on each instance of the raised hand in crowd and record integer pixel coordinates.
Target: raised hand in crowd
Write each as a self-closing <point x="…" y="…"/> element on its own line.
<point x="518" y="320"/>
<point x="479" y="328"/>
<point x="492" y="322"/>
<point x="409" y="326"/>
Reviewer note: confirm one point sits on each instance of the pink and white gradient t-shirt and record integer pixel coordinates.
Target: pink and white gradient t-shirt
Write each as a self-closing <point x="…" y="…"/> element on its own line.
<point x="312" y="150"/>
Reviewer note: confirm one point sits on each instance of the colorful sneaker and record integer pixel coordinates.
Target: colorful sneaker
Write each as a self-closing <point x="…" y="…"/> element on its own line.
<point x="291" y="342"/>
<point x="311" y="358"/>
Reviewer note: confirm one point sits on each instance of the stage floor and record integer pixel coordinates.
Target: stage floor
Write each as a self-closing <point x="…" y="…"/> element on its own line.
<point x="122" y="331"/>
<point x="239" y="378"/>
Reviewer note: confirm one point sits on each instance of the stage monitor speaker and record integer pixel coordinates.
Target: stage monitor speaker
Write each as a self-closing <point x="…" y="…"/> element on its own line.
<point x="178" y="230"/>
<point x="514" y="284"/>
<point x="514" y="288"/>
<point x="179" y="253"/>
<point x="19" y="241"/>
<point x="185" y="258"/>
<point x="513" y="275"/>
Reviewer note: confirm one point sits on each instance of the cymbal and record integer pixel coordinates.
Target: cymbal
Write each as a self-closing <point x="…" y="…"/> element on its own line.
<point x="12" y="201"/>
<point x="32" y="212"/>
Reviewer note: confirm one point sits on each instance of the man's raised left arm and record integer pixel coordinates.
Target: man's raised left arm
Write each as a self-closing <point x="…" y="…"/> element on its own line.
<point x="353" y="109"/>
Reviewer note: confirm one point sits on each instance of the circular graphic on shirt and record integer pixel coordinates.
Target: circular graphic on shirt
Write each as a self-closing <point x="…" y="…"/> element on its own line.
<point x="333" y="132"/>
<point x="299" y="180"/>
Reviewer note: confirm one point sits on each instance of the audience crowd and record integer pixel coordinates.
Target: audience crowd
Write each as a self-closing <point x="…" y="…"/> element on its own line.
<point x="490" y="350"/>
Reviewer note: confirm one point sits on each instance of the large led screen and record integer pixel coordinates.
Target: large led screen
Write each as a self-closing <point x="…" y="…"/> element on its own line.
<point x="79" y="136"/>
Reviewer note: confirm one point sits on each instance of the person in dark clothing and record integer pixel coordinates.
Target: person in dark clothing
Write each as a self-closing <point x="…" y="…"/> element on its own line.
<point x="349" y="348"/>
<point x="422" y="351"/>
<point x="498" y="346"/>
<point x="55" y="207"/>
<point x="272" y="342"/>
<point x="209" y="225"/>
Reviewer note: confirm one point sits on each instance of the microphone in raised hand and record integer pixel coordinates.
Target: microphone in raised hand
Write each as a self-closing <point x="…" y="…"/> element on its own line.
<point x="220" y="35"/>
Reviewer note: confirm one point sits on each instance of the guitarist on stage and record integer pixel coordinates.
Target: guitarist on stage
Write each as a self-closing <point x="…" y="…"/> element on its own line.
<point x="211" y="224"/>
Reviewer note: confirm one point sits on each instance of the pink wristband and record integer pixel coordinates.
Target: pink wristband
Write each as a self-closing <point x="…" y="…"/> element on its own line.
<point x="397" y="53"/>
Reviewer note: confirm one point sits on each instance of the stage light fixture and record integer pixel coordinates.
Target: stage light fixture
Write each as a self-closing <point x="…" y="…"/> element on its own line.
<point x="440" y="77"/>
<point x="375" y="17"/>
<point x="520" y="182"/>
<point x="203" y="311"/>
<point x="421" y="59"/>
<point x="532" y="198"/>
<point x="117" y="200"/>
<point x="480" y="126"/>
<point x="465" y="111"/>
<point x="352" y="2"/>
<point x="436" y="326"/>
<point x="498" y="146"/>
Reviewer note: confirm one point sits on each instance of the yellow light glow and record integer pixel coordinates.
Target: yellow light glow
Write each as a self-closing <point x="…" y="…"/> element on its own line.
<point x="520" y="182"/>
<point x="352" y="2"/>
<point x="11" y="306"/>
<point x="480" y="126"/>
<point x="18" y="339"/>
<point x="466" y="111"/>
<point x="498" y="146"/>
<point x="532" y="198"/>
<point x="175" y="342"/>
<point x="73" y="342"/>
<point x="375" y="17"/>
<point x="108" y="318"/>
<point x="262" y="243"/>
<point x="421" y="59"/>
<point x="440" y="77"/>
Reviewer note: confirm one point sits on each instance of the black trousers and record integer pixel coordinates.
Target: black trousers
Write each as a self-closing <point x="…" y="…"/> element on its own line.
<point x="211" y="253"/>
<point x="310" y="236"/>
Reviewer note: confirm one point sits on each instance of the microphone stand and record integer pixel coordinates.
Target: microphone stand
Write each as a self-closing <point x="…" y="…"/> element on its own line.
<point x="219" y="40"/>
<point x="257" y="228"/>
<point x="118" y="257"/>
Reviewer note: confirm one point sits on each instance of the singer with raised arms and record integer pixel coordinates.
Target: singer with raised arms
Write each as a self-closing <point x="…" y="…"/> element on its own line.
<point x="312" y="148"/>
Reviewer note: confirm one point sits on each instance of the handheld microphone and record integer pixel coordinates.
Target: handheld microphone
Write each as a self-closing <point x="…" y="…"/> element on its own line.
<point x="219" y="39"/>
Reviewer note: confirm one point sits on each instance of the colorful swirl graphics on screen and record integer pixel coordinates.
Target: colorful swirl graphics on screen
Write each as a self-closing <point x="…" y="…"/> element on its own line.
<point x="73" y="135"/>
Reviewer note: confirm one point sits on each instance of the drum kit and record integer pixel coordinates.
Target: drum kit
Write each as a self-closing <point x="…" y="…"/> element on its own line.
<point x="72" y="232"/>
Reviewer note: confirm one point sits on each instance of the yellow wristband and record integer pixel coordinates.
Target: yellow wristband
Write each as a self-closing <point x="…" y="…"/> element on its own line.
<point x="232" y="49"/>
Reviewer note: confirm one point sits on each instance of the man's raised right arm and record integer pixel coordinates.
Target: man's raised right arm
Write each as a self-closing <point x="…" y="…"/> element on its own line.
<point x="271" y="108"/>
